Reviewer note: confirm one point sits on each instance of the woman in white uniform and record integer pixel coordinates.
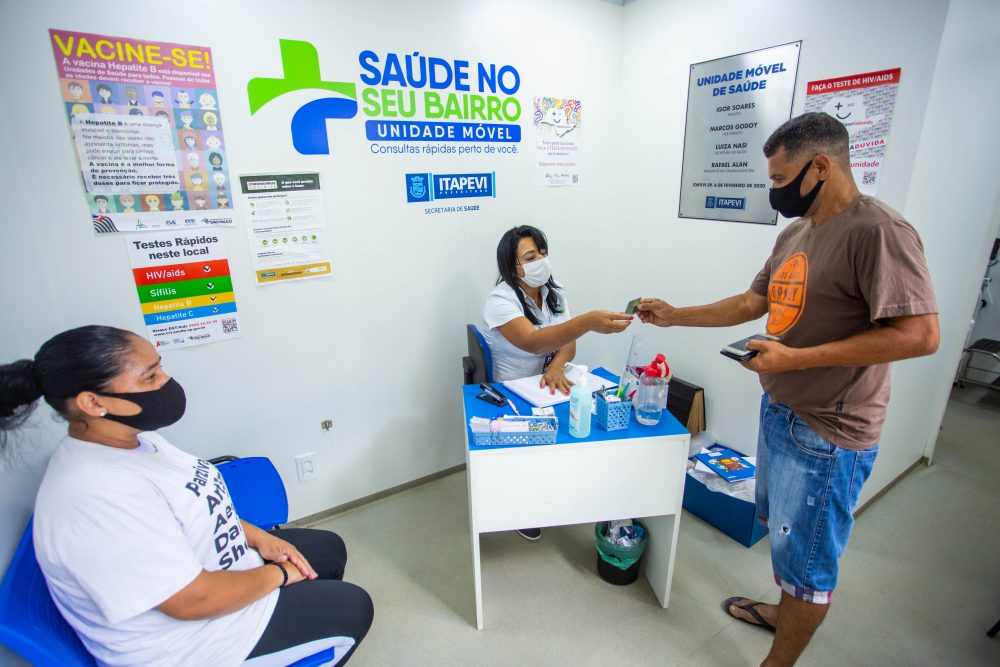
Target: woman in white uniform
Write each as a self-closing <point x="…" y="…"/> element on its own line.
<point x="139" y="542"/>
<point x="529" y="328"/>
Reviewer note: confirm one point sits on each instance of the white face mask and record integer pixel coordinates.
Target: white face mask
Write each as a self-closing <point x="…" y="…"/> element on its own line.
<point x="537" y="273"/>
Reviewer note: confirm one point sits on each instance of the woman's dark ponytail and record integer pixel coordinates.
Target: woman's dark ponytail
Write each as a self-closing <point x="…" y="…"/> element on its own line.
<point x="82" y="359"/>
<point x="19" y="393"/>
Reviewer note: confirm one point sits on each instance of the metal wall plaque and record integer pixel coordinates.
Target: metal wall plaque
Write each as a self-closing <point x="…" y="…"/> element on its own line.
<point x="734" y="104"/>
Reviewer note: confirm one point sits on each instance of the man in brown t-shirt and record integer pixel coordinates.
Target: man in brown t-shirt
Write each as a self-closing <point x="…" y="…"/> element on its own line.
<point x="846" y="291"/>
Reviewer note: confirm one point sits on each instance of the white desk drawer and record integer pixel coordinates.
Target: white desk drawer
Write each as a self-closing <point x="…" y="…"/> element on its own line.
<point x="569" y="483"/>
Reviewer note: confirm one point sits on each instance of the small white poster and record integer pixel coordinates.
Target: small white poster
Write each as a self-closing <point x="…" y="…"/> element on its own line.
<point x="287" y="226"/>
<point x="557" y="141"/>
<point x="185" y="288"/>
<point x="865" y="104"/>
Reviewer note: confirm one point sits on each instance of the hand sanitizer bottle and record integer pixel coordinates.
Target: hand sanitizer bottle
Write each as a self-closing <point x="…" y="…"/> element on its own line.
<point x="580" y="404"/>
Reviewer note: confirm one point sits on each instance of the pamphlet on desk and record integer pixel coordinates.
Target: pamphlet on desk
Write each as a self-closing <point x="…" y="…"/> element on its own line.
<point x="528" y="389"/>
<point x="727" y="464"/>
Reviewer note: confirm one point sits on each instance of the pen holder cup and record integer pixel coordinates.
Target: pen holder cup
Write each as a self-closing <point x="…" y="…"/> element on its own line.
<point x="613" y="416"/>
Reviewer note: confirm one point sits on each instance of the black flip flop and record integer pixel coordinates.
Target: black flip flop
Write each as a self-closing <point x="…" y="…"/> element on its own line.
<point x="761" y="623"/>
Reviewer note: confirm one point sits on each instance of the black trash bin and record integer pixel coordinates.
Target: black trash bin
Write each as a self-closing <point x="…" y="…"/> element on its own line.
<point x="616" y="564"/>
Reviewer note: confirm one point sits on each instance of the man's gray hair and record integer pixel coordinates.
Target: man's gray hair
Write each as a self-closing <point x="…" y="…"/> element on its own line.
<point x="812" y="133"/>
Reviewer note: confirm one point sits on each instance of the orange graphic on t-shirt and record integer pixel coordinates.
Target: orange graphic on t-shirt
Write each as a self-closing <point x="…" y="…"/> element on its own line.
<point x="786" y="294"/>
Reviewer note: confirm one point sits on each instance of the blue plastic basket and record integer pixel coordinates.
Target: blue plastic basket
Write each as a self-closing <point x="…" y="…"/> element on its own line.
<point x="547" y="437"/>
<point x="613" y="416"/>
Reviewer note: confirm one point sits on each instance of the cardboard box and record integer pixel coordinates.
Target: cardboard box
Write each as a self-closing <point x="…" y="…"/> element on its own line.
<point x="734" y="517"/>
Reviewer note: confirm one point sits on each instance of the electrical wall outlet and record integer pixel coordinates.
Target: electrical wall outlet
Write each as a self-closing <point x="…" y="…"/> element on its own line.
<point x="305" y="467"/>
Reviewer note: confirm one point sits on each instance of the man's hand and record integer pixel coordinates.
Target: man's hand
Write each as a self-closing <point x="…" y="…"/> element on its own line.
<point x="893" y="340"/>
<point x="555" y="379"/>
<point x="273" y="548"/>
<point x="656" y="311"/>
<point x="772" y="357"/>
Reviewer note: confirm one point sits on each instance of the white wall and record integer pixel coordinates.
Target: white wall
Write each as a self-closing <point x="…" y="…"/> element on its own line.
<point x="392" y="319"/>
<point x="706" y="261"/>
<point x="954" y="201"/>
<point x="26" y="321"/>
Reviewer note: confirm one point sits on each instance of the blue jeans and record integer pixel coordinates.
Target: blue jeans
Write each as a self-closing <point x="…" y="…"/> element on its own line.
<point x="807" y="489"/>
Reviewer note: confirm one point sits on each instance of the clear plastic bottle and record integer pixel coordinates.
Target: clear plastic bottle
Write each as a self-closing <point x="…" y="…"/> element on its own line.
<point x="650" y="399"/>
<point x="633" y="368"/>
<point x="581" y="402"/>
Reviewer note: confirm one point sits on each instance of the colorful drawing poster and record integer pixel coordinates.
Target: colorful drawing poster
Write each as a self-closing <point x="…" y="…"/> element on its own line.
<point x="734" y="104"/>
<point x="147" y="129"/>
<point x="287" y="226"/>
<point x="184" y="286"/>
<point x="865" y="104"/>
<point x="558" y="123"/>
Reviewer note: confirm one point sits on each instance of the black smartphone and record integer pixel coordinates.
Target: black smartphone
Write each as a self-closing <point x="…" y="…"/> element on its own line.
<point x="739" y="350"/>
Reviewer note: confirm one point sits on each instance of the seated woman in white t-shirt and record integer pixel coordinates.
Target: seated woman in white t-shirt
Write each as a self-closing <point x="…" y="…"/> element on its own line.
<point x="139" y="543"/>
<point x="527" y="318"/>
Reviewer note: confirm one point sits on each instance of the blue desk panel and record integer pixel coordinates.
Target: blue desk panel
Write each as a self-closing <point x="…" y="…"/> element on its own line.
<point x="476" y="408"/>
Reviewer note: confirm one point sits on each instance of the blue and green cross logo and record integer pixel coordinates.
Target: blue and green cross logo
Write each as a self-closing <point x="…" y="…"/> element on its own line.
<point x="300" y="62"/>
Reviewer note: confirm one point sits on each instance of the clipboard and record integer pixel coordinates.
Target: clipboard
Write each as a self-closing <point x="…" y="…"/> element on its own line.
<point x="528" y="389"/>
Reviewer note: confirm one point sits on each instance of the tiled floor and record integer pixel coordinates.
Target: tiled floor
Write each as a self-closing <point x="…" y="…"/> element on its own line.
<point x="920" y="582"/>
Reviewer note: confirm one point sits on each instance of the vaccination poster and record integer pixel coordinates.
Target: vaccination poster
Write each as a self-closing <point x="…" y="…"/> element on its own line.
<point x="734" y="104"/>
<point x="185" y="288"/>
<point x="864" y="103"/>
<point x="147" y="129"/>
<point x="287" y="226"/>
<point x="557" y="124"/>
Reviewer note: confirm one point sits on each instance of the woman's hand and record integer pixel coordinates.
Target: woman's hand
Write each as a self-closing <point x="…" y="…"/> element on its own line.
<point x="294" y="574"/>
<point x="606" y="321"/>
<point x="273" y="548"/>
<point x="555" y="378"/>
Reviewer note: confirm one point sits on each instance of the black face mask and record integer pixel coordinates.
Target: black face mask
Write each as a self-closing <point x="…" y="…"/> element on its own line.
<point x="160" y="407"/>
<point x="787" y="201"/>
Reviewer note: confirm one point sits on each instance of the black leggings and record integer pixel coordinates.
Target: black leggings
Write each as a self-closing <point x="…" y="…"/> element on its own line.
<point x="321" y="608"/>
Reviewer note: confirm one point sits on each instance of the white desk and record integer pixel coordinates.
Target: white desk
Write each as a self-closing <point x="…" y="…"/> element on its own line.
<point x="568" y="483"/>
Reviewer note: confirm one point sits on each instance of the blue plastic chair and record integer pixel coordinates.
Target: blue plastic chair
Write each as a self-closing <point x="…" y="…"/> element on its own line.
<point x="30" y="623"/>
<point x="32" y="626"/>
<point x="478" y="366"/>
<point x="256" y="489"/>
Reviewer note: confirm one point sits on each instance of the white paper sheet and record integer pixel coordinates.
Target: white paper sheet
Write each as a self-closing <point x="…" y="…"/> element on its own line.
<point x="528" y="389"/>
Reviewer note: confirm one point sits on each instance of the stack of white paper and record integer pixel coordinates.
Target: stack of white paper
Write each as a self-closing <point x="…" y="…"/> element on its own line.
<point x="528" y="389"/>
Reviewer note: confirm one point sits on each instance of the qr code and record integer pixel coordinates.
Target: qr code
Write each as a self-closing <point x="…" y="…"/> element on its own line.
<point x="230" y="325"/>
<point x="868" y="178"/>
<point x="576" y="178"/>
